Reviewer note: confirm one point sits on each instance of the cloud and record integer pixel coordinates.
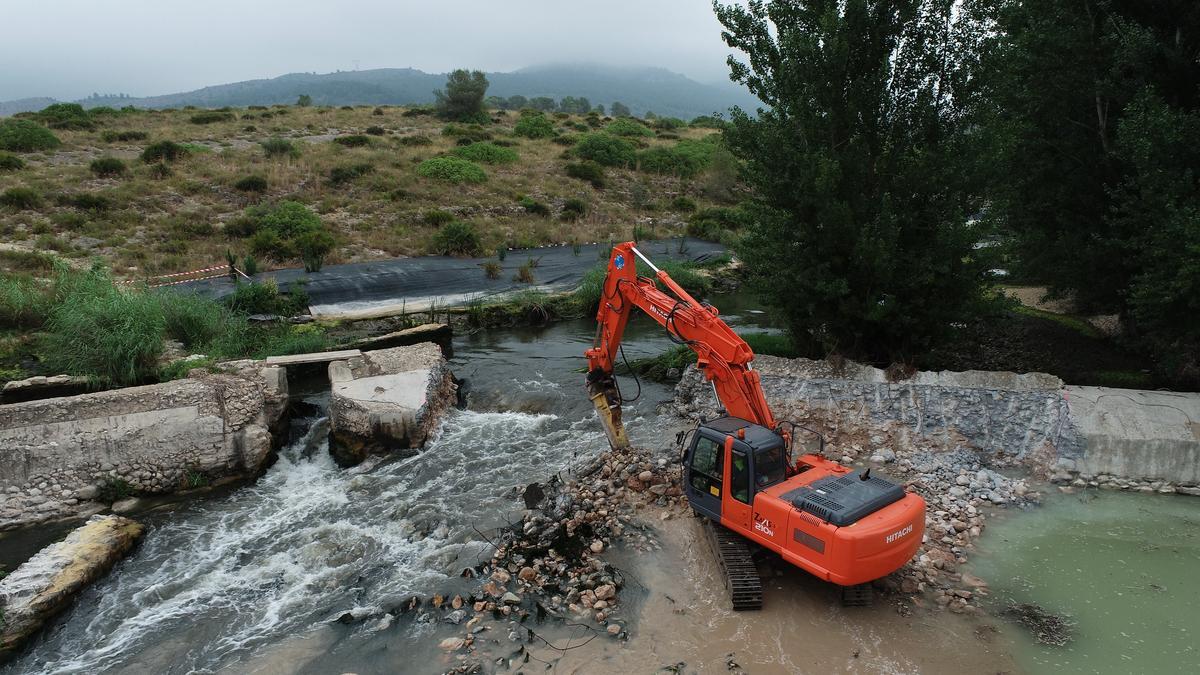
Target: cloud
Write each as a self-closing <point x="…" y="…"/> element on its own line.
<point x="71" y="48"/>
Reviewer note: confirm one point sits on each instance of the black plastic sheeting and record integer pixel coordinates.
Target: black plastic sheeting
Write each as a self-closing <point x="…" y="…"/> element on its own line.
<point x="415" y="284"/>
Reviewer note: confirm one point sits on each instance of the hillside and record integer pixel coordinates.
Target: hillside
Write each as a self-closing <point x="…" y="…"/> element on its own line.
<point x="642" y="89"/>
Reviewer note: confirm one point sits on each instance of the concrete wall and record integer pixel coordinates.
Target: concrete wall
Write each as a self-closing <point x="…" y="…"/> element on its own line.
<point x="1127" y="438"/>
<point x="1130" y="433"/>
<point x="56" y="454"/>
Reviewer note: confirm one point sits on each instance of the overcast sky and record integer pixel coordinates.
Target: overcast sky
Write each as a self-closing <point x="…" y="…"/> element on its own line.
<point x="70" y="48"/>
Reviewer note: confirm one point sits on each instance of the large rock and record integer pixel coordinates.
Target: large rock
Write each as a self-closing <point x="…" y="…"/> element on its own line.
<point x="387" y="400"/>
<point x="47" y="583"/>
<point x="58" y="453"/>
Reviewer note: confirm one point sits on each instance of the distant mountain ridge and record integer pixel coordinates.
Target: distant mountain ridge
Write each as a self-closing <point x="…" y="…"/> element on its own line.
<point x="642" y="89"/>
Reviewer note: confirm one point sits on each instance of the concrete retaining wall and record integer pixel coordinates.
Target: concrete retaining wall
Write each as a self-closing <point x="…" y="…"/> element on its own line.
<point x="1127" y="438"/>
<point x="58" y="455"/>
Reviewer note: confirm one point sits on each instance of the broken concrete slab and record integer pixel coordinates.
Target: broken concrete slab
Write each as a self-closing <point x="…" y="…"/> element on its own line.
<point x="42" y="386"/>
<point x="440" y="333"/>
<point x="47" y="583"/>
<point x="314" y="357"/>
<point x="59" y="455"/>
<point x="388" y="400"/>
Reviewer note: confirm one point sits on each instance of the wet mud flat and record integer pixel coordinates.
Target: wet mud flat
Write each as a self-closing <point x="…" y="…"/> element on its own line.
<point x="684" y="622"/>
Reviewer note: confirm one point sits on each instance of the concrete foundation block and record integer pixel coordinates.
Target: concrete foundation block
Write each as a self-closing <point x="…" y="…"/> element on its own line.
<point x="386" y="401"/>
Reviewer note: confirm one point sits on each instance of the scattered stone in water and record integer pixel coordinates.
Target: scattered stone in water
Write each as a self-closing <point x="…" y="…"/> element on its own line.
<point x="1048" y="628"/>
<point x="452" y="644"/>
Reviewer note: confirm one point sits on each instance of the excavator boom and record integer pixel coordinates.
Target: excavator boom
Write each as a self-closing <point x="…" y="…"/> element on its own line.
<point x="722" y="355"/>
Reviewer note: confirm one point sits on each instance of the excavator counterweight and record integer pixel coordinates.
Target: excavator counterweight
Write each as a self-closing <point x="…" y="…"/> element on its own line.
<point x="844" y="526"/>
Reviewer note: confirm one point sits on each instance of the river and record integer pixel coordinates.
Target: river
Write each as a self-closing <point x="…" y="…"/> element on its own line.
<point x="220" y="580"/>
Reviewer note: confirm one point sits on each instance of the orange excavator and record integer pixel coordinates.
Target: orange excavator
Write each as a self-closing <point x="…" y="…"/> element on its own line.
<point x="845" y="526"/>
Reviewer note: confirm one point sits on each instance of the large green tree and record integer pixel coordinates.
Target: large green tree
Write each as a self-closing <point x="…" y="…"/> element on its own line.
<point x="462" y="99"/>
<point x="860" y="232"/>
<point x="1094" y="111"/>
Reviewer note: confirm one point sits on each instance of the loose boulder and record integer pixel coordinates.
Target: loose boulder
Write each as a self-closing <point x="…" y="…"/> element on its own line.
<point x="47" y="583"/>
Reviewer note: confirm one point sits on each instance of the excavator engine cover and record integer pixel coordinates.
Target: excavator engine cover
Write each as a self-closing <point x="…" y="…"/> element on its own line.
<point x="843" y="500"/>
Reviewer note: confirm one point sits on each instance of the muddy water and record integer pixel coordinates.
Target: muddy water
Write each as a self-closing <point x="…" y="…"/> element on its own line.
<point x="684" y="620"/>
<point x="1124" y="567"/>
<point x="254" y="580"/>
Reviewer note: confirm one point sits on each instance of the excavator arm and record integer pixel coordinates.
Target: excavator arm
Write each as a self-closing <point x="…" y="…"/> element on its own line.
<point x="722" y="356"/>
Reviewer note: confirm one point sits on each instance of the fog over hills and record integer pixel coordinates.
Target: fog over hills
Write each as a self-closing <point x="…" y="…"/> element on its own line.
<point x="642" y="89"/>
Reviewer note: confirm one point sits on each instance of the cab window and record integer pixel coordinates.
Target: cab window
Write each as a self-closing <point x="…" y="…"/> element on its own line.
<point x="707" y="467"/>
<point x="770" y="467"/>
<point x="739" y="477"/>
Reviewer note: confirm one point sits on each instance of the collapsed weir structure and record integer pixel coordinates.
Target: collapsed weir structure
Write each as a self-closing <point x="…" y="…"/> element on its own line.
<point x="73" y="457"/>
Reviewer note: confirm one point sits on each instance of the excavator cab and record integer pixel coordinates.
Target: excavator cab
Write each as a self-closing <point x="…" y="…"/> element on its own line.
<point x="730" y="458"/>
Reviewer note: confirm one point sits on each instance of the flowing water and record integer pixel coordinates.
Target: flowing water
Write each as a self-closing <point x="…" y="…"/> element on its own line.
<point x="219" y="583"/>
<point x="1123" y="567"/>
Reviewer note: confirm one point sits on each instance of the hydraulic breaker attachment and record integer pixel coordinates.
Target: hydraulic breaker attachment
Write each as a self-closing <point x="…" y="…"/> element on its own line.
<point x="604" y="396"/>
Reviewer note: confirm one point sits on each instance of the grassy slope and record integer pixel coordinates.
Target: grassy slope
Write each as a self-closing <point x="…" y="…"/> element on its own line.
<point x="171" y="224"/>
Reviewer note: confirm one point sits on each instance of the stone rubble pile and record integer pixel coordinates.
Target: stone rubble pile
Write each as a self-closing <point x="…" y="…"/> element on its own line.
<point x="550" y="563"/>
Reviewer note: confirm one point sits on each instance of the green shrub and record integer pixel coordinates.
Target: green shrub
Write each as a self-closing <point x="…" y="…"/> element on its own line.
<point x="265" y="298"/>
<point x="452" y="169"/>
<point x="108" y="166"/>
<point x="340" y="175"/>
<point x="457" y="238"/>
<point x="252" y="183"/>
<point x="414" y="141"/>
<point x="473" y="133"/>
<point x="66" y="116"/>
<point x="279" y="147"/>
<point x="626" y="126"/>
<point x="353" y="140"/>
<point x="192" y="319"/>
<point x="487" y="153"/>
<point x="124" y="329"/>
<point x="26" y="136"/>
<point x="163" y="151"/>
<point x="491" y="269"/>
<point x="682" y="203"/>
<point x="574" y="209"/>
<point x="605" y="150"/>
<point x="88" y="201"/>
<point x="417" y="111"/>
<point x="534" y="126"/>
<point x="524" y="273"/>
<point x="565" y="140"/>
<point x="533" y="206"/>
<point x="707" y="122"/>
<point x="211" y="117"/>
<point x="11" y="162"/>
<point x="160" y="171"/>
<point x="685" y="159"/>
<point x="438" y="217"/>
<point x="376" y="131"/>
<point x="275" y="232"/>
<point x="313" y="247"/>
<point x="23" y="302"/>
<point x="714" y="223"/>
<point x="587" y="171"/>
<point x="669" y="123"/>
<point x="21" y="198"/>
<point x="111" y="136"/>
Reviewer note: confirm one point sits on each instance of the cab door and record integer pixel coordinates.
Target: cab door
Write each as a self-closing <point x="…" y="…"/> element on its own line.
<point x="704" y="476"/>
<point x="736" y="506"/>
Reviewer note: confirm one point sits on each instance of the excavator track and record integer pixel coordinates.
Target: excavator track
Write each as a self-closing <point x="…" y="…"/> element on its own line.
<point x="741" y="574"/>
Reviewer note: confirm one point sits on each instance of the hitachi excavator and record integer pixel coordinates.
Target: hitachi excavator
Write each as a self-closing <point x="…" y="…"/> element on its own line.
<point x="844" y="526"/>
